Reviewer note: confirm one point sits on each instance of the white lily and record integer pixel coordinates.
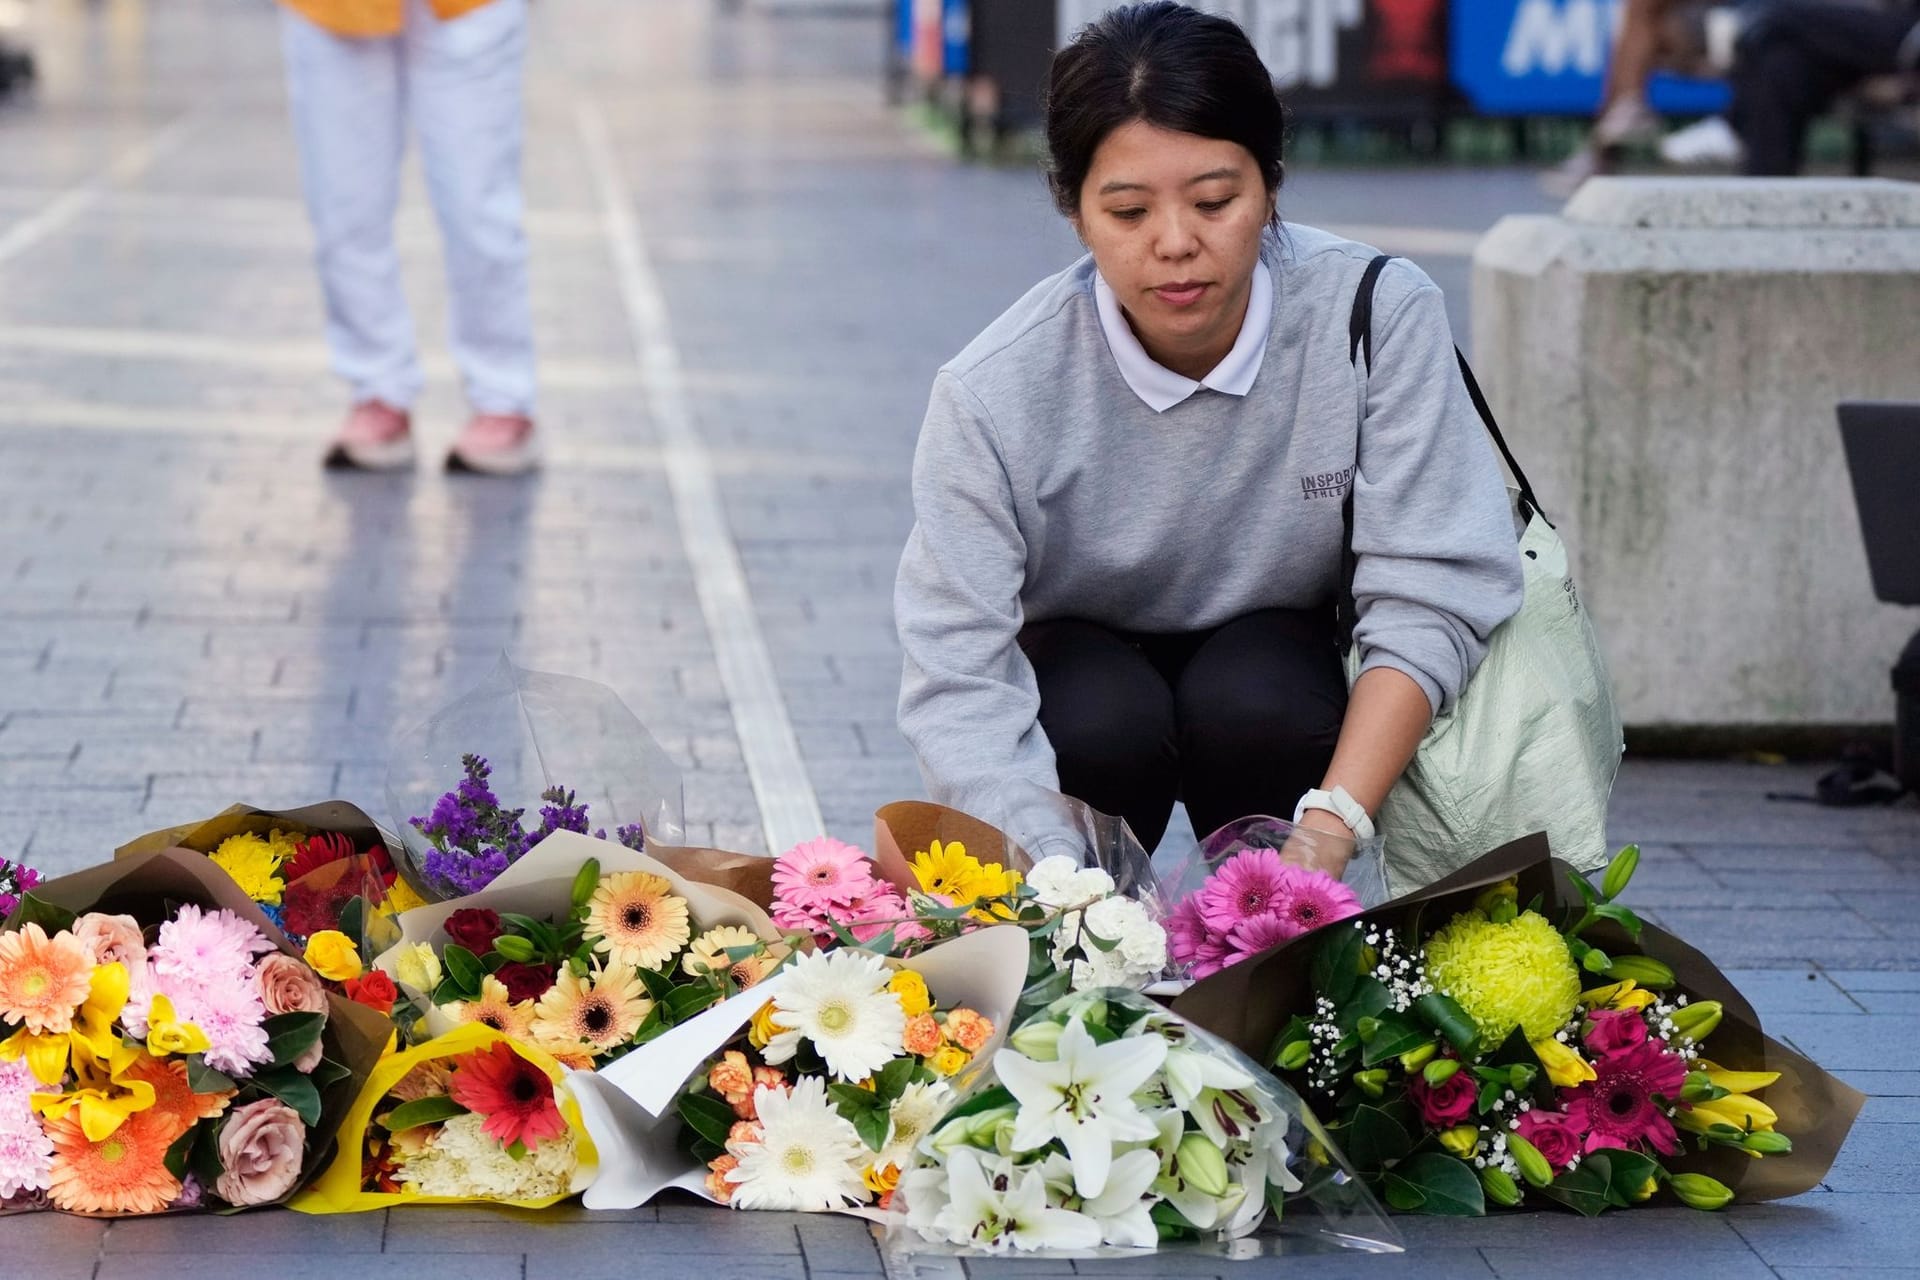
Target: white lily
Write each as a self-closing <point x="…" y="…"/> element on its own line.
<point x="1084" y="1098"/>
<point x="1228" y="1116"/>
<point x="1000" y="1207"/>
<point x="1124" y="1209"/>
<point x="1191" y="1071"/>
<point x="1196" y="1206"/>
<point x="1269" y="1162"/>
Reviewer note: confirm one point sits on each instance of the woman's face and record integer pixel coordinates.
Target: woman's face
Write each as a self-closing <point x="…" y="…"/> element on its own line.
<point x="1174" y="223"/>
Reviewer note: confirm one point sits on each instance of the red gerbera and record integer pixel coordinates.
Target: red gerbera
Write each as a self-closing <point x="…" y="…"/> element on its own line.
<point x="514" y="1095"/>
<point x="316" y="851"/>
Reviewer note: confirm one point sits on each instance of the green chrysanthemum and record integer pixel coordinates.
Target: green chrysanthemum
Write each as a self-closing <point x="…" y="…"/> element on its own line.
<point x="1517" y="974"/>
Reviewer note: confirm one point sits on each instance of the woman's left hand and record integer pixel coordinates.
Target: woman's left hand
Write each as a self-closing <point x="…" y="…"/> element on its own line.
<point x="1320" y="842"/>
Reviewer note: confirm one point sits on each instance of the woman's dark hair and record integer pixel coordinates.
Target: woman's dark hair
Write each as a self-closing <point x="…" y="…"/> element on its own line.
<point x="1166" y="64"/>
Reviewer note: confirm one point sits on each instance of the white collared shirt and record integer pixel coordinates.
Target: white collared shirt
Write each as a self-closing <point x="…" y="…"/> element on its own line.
<point x="1160" y="387"/>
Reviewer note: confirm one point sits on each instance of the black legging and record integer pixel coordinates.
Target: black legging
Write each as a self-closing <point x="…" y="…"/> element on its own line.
<point x="1793" y="62"/>
<point x="1237" y="720"/>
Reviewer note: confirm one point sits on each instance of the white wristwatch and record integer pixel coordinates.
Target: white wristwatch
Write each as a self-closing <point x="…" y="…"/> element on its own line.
<point x="1342" y="806"/>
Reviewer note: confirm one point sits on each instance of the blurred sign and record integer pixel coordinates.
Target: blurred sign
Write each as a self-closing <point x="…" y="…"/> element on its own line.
<point x="1549" y="57"/>
<point x="938" y="34"/>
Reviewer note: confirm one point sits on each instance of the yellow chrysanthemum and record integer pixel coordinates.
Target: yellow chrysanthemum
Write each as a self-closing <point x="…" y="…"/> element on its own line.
<point x="1517" y="974"/>
<point x="254" y="863"/>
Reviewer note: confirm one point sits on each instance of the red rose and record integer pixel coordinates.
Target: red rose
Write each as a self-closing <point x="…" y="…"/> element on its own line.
<point x="525" y="981"/>
<point x="474" y="928"/>
<point x="1553" y="1135"/>
<point x="1446" y="1104"/>
<point x="1616" y="1031"/>
<point x="373" y="989"/>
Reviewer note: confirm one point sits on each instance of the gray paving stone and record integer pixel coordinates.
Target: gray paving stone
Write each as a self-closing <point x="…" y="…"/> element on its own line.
<point x="266" y="1233"/>
<point x="417" y="1231"/>
<point x="1523" y="1264"/>
<point x="1858" y="1230"/>
<point x="319" y="1265"/>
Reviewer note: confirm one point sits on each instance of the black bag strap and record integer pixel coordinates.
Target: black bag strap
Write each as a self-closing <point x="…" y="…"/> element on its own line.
<point x="1359" y="341"/>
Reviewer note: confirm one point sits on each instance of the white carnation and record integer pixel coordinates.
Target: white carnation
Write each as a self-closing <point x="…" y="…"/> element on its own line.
<point x="463" y="1160"/>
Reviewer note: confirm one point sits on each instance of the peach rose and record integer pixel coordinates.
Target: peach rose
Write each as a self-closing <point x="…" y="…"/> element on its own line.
<point x="922" y="1035"/>
<point x="968" y="1030"/>
<point x="288" y="986"/>
<point x="112" y="938"/>
<point x="261" y="1146"/>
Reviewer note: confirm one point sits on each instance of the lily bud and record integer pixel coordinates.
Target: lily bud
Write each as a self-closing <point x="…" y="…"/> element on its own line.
<point x="1565" y="1067"/>
<point x="1767" y="1143"/>
<point x="514" y="947"/>
<point x="1500" y="1186"/>
<point x="1700" y="1088"/>
<point x="1419" y="1056"/>
<point x="1619" y="871"/>
<point x="1294" y="1056"/>
<point x="1644" y="970"/>
<point x="1372" y="1083"/>
<point x="1503" y="911"/>
<point x="1520" y="1076"/>
<point x="1698" y="1020"/>
<point x="1533" y="1166"/>
<point x="1497" y="897"/>
<point x="1202" y="1165"/>
<point x="1698" y="1191"/>
<point x="1644" y="1192"/>
<point x="1439" y="1071"/>
<point x="1367" y="1028"/>
<point x="1596" y="961"/>
<point x="1461" y="1140"/>
<point x="585" y="881"/>
<point x="1037" y="1040"/>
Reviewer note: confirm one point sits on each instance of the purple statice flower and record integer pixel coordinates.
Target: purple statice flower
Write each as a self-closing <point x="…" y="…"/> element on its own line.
<point x="633" y="835"/>
<point x="459" y="873"/>
<point x="559" y="813"/>
<point x="191" y="1194"/>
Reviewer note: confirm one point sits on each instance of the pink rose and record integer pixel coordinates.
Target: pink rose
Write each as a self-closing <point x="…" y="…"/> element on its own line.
<point x="113" y="938"/>
<point x="287" y="985"/>
<point x="1616" y="1031"/>
<point x="261" y="1147"/>
<point x="1446" y="1104"/>
<point x="1554" y="1134"/>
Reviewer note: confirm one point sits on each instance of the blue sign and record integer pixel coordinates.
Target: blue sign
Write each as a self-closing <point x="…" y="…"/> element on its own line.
<point x="1549" y="57"/>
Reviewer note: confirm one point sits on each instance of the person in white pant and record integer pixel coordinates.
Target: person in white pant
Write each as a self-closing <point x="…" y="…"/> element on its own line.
<point x="358" y="71"/>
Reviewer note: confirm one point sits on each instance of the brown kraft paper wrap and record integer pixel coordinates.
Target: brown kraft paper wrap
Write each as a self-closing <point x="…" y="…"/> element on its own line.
<point x="1249" y="1003"/>
<point x="145" y="885"/>
<point x="748" y="874"/>
<point x="907" y="827"/>
<point x="336" y="816"/>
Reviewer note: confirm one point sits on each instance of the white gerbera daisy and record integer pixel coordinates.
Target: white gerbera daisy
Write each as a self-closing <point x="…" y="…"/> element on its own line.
<point x="914" y="1115"/>
<point x="838" y="1001"/>
<point x="808" y="1156"/>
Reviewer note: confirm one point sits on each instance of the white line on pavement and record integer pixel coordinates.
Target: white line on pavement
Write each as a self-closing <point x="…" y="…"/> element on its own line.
<point x="789" y="809"/>
<point x="77" y="199"/>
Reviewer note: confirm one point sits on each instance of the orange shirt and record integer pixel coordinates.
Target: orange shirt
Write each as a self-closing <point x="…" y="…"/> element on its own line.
<point x="370" y="17"/>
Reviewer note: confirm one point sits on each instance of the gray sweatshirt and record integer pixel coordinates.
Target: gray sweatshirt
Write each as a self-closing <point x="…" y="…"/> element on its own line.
<point x="1044" y="487"/>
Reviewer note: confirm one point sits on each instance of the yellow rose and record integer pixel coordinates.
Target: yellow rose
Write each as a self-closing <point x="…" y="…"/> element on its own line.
<point x="333" y="956"/>
<point x="948" y="1059"/>
<point x="912" y="990"/>
<point x="418" y="967"/>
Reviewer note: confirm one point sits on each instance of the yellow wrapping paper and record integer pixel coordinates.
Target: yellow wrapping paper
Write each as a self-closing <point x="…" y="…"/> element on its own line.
<point x="337" y="1190"/>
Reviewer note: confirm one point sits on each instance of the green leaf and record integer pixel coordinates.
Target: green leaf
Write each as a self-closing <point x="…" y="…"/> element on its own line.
<point x="34" y="909"/>
<point x="873" y="1126"/>
<point x="202" y="1078"/>
<point x="328" y="1073"/>
<point x="892" y="1080"/>
<point x="1397" y="1034"/>
<point x="1296" y="1029"/>
<point x="708" y="1116"/>
<point x="659" y="985"/>
<point x="1444" y="1014"/>
<point x="1374" y="1138"/>
<point x="1100" y="944"/>
<point x="683" y="1002"/>
<point x="291" y="1034"/>
<point x="1336" y="968"/>
<point x="850" y="1099"/>
<point x="1627" y="1172"/>
<point x="293" y="1089"/>
<point x="652" y="1026"/>
<point x="1586" y="890"/>
<point x="203" y="1160"/>
<point x="985" y="1100"/>
<point x="176" y="1159"/>
<point x="353" y="919"/>
<point x="463" y="969"/>
<point x="1584" y="1189"/>
<point x="1171" y="1223"/>
<point x="411" y="1115"/>
<point x="1440" y="1185"/>
<point x="517" y="1149"/>
<point x="1621" y="916"/>
<point x="1370" y="999"/>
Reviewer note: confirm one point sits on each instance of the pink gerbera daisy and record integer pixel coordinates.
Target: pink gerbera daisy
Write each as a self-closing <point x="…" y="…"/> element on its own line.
<point x="882" y="909"/>
<point x="822" y="872"/>
<point x="1625" y="1104"/>
<point x="1258" y="933"/>
<point x="1186" y="930"/>
<point x="1310" y="899"/>
<point x="1244" y="886"/>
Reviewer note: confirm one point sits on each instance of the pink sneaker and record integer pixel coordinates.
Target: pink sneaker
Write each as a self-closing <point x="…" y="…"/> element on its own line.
<point x="375" y="437"/>
<point x="495" y="444"/>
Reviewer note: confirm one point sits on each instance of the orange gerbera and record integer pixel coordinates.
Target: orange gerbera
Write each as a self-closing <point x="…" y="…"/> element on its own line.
<point x="43" y="980"/>
<point x="173" y="1098"/>
<point x="495" y="1008"/>
<point x="638" y="919"/>
<point x="124" y="1172"/>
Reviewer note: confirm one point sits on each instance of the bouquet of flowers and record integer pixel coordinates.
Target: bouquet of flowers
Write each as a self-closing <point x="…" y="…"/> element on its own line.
<point x="1109" y="1123"/>
<point x="836" y="1062"/>
<point x="163" y="1048"/>
<point x="584" y="949"/>
<point x="470" y="1116"/>
<point x="1084" y="931"/>
<point x="1540" y="1041"/>
<point x="323" y="874"/>
<point x="1257" y="883"/>
<point x="524" y="734"/>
